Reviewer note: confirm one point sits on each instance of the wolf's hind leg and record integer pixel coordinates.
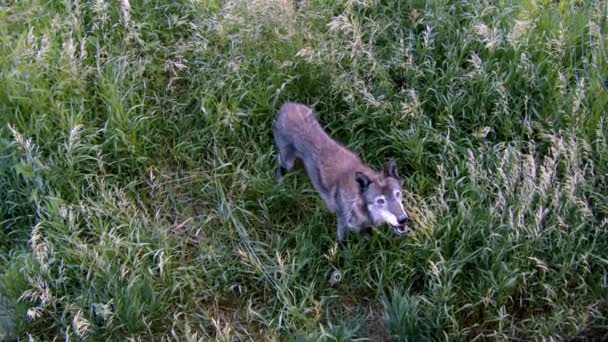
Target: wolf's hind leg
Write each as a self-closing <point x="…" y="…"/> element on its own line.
<point x="285" y="158"/>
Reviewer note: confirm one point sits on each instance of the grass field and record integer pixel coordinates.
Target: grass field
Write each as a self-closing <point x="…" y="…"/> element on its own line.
<point x="136" y="169"/>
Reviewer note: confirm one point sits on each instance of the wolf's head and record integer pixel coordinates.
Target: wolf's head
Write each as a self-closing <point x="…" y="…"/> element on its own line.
<point x="383" y="198"/>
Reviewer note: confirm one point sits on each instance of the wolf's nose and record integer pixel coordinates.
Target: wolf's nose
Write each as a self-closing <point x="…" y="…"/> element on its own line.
<point x="403" y="220"/>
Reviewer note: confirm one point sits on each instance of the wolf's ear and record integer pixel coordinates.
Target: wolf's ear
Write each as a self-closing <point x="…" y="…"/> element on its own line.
<point x="390" y="169"/>
<point x="362" y="180"/>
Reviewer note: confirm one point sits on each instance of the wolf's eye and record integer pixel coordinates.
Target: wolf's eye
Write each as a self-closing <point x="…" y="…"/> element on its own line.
<point x="398" y="194"/>
<point x="380" y="201"/>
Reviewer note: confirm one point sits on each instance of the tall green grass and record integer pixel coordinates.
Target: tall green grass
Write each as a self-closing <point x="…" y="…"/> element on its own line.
<point x="136" y="169"/>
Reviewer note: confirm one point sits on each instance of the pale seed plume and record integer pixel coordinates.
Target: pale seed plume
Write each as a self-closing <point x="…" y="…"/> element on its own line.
<point x="80" y="324"/>
<point x="125" y="7"/>
<point x="488" y="36"/>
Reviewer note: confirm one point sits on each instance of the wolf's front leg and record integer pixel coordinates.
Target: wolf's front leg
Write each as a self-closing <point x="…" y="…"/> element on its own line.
<point x="366" y="233"/>
<point x="342" y="232"/>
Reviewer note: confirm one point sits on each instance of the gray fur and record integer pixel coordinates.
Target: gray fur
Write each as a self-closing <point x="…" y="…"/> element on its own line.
<point x="350" y="189"/>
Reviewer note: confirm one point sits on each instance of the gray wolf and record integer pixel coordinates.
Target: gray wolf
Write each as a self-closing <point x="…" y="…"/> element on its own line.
<point x="360" y="197"/>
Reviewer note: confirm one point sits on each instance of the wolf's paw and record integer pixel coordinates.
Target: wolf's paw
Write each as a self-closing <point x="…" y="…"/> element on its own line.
<point x="334" y="278"/>
<point x="366" y="234"/>
<point x="278" y="174"/>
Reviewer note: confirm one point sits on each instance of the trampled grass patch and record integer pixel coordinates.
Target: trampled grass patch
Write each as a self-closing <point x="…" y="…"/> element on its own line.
<point x="136" y="169"/>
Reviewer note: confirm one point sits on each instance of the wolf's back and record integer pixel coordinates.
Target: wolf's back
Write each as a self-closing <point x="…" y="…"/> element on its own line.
<point x="296" y="117"/>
